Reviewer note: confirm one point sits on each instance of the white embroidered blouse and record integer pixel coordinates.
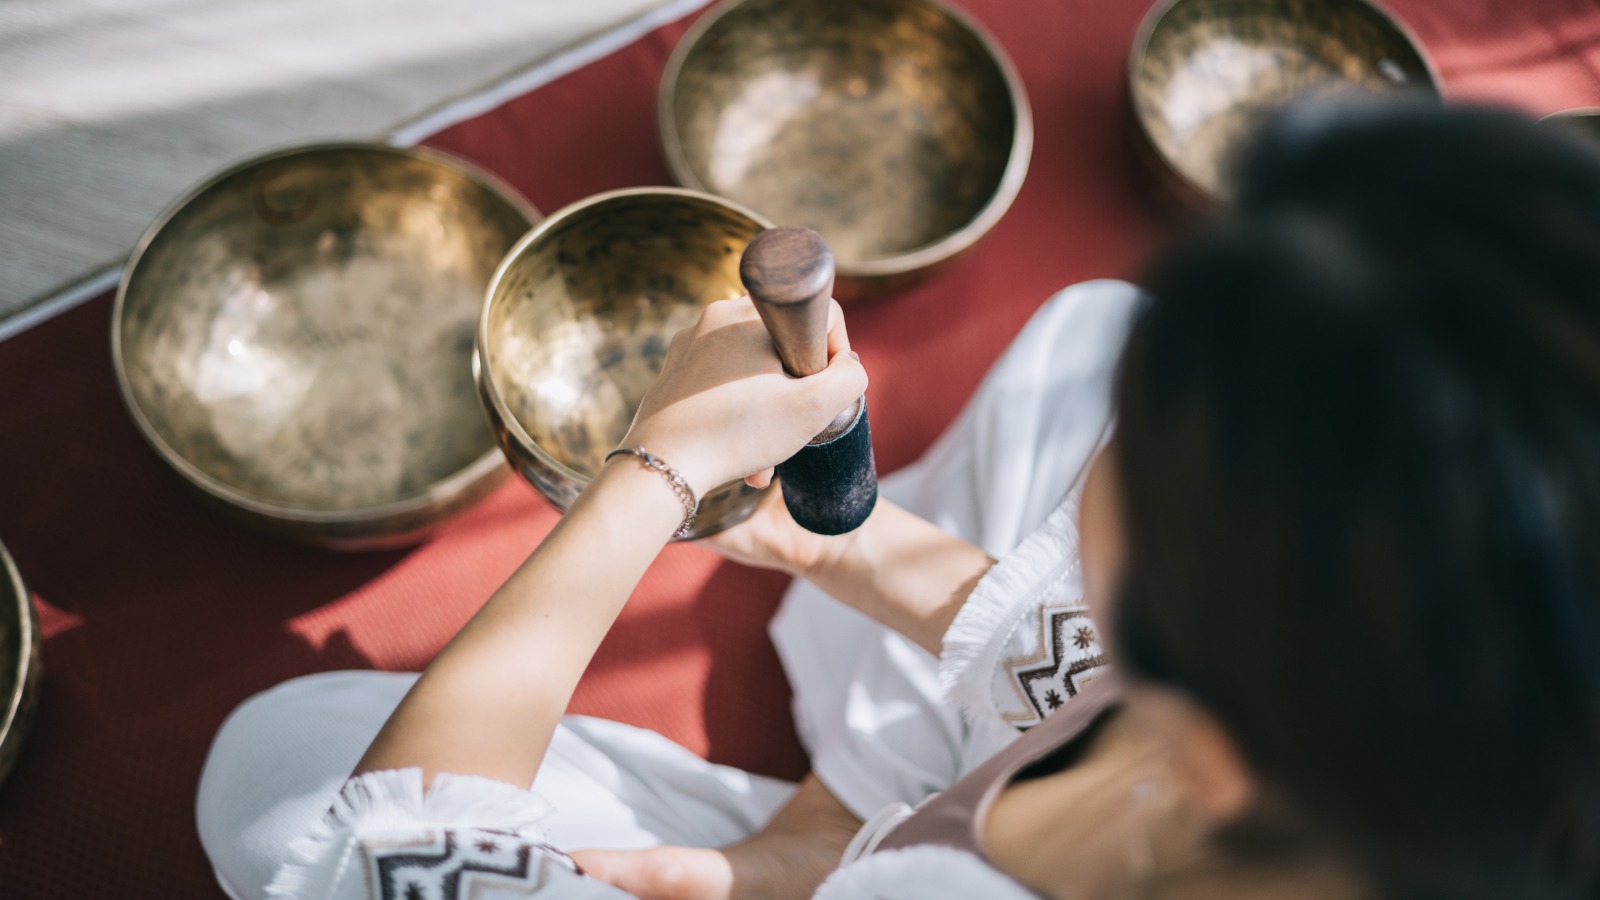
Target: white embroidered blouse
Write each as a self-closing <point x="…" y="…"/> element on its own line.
<point x="1020" y="648"/>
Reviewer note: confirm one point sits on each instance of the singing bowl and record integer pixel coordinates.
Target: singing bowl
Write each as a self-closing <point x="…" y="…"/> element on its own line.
<point x="1203" y="75"/>
<point x="294" y="337"/>
<point x="577" y="324"/>
<point x="898" y="129"/>
<point x="1583" y="121"/>
<point x="19" y="662"/>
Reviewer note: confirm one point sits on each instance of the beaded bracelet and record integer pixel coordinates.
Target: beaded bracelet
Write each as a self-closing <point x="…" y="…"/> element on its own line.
<point x="680" y="485"/>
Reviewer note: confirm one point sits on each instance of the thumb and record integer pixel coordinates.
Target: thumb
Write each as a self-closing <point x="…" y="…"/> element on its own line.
<point x="838" y="385"/>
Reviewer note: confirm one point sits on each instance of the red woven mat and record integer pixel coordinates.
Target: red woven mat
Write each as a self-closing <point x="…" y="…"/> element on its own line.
<point x="160" y="615"/>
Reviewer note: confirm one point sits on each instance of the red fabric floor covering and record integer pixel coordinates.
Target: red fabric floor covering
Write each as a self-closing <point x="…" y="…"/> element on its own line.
<point x="160" y="615"/>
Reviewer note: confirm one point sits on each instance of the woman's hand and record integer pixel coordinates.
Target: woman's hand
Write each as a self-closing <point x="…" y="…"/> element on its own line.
<point x="771" y="539"/>
<point x="786" y="860"/>
<point x="723" y="408"/>
<point x="897" y="568"/>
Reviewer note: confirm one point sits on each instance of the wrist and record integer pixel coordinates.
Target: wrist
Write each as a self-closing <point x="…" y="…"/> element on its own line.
<point x="814" y="556"/>
<point x="688" y="460"/>
<point x="654" y="482"/>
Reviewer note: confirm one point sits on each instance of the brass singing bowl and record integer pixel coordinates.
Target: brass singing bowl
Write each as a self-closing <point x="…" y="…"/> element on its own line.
<point x="1204" y="74"/>
<point x="294" y="337"/>
<point x="577" y="324"/>
<point x="19" y="662"/>
<point x="898" y="129"/>
<point x="1583" y="121"/>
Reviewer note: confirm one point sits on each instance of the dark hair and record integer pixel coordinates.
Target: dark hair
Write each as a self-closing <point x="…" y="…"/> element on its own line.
<point x="1359" y="437"/>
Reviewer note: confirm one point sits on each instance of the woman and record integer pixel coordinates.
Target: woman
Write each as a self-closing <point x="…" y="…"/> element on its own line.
<point x="1346" y="545"/>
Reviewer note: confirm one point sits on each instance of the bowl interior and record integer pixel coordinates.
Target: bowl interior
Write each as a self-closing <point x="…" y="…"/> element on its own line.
<point x="300" y="330"/>
<point x="579" y="321"/>
<point x="1213" y="69"/>
<point x="885" y="125"/>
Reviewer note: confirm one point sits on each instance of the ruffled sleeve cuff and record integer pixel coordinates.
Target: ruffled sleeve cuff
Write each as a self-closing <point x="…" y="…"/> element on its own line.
<point x="1004" y="628"/>
<point x="386" y="838"/>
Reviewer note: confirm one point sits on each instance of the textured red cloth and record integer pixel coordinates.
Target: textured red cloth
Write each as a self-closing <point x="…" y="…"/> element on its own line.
<point x="160" y="615"/>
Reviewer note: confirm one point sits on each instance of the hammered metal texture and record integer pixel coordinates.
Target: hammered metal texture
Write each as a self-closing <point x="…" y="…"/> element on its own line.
<point x="295" y="337"/>
<point x="892" y="127"/>
<point x="1205" y="73"/>
<point x="20" y="668"/>
<point x="578" y="322"/>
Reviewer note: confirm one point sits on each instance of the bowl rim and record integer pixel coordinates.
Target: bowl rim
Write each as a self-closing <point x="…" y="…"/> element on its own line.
<point x="482" y="467"/>
<point x="27" y="639"/>
<point x="484" y="375"/>
<point x="1572" y="112"/>
<point x="905" y="261"/>
<point x="1140" y="49"/>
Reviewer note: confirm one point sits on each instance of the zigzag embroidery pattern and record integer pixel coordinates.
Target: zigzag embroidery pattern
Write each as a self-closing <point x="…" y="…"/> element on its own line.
<point x="1068" y="658"/>
<point x="460" y="864"/>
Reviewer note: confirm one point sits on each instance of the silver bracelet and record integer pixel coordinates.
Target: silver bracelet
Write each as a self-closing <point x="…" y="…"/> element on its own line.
<point x="680" y="485"/>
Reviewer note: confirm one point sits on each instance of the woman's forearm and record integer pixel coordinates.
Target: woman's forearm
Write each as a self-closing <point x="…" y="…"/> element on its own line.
<point x="490" y="701"/>
<point x="722" y="408"/>
<point x="903" y="571"/>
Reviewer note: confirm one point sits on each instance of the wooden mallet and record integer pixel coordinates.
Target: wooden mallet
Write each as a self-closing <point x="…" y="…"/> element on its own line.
<point x="831" y="485"/>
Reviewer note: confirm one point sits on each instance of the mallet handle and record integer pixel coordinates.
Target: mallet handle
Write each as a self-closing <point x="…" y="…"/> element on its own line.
<point x="830" y="485"/>
<point x="789" y="274"/>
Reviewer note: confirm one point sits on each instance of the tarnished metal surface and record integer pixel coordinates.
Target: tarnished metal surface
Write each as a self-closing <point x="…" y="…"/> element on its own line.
<point x="895" y="128"/>
<point x="20" y="668"/>
<point x="1203" y="74"/>
<point x="295" y="338"/>
<point x="578" y="322"/>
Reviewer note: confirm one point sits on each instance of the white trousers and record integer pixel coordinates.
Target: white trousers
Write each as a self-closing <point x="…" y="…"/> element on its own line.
<point x="868" y="704"/>
<point x="867" y="701"/>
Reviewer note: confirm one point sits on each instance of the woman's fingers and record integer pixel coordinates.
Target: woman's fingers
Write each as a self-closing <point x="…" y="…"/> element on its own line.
<point x="838" y="338"/>
<point x="760" y="480"/>
<point x="736" y="309"/>
<point x="835" y="388"/>
<point x="722" y="408"/>
<point x="662" y="873"/>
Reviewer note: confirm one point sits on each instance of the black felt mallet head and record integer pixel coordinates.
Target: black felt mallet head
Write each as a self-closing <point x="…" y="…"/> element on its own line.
<point x="831" y="485"/>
